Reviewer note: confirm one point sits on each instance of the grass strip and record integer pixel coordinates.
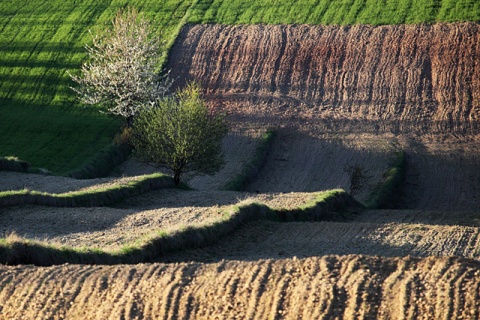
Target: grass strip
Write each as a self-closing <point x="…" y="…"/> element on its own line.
<point x="88" y="198"/>
<point x="13" y="164"/>
<point x="251" y="169"/>
<point x="387" y="194"/>
<point x="327" y="206"/>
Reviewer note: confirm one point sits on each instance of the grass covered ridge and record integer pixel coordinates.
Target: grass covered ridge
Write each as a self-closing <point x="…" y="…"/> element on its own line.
<point x="327" y="206"/>
<point x="89" y="198"/>
<point x="388" y="192"/>
<point x="251" y="169"/>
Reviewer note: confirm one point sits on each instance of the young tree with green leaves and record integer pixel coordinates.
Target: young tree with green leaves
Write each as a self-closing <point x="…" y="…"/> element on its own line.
<point x="180" y="133"/>
<point x="121" y="72"/>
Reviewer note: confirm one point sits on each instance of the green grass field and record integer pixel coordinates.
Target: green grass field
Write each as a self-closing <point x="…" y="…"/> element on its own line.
<point x="40" y="119"/>
<point x="375" y="12"/>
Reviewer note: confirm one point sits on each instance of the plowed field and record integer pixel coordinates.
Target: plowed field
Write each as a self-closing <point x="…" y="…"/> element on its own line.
<point x="384" y="233"/>
<point x="405" y="72"/>
<point x="330" y="287"/>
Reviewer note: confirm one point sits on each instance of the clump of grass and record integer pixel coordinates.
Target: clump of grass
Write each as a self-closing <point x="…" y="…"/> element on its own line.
<point x="387" y="194"/>
<point x="326" y="206"/>
<point x="87" y="198"/>
<point x="13" y="164"/>
<point x="251" y="169"/>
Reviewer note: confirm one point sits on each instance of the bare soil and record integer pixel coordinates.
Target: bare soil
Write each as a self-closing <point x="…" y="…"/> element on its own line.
<point x="328" y="287"/>
<point x="394" y="233"/>
<point x="134" y="219"/>
<point x="403" y="72"/>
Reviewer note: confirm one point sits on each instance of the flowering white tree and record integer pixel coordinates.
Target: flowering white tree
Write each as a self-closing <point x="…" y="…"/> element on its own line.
<point x="121" y="73"/>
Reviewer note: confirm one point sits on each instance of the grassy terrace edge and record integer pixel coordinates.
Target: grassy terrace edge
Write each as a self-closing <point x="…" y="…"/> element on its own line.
<point x="327" y="205"/>
<point x="388" y="192"/>
<point x="88" y="198"/>
<point x="251" y="169"/>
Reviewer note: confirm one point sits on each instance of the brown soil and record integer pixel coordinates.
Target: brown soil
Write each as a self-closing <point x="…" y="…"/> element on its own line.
<point x="384" y="233"/>
<point x="353" y="96"/>
<point x="329" y="287"/>
<point x="404" y="72"/>
<point x="304" y="163"/>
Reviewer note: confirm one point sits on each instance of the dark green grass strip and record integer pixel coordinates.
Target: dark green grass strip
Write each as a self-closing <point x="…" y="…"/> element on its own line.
<point x="41" y="120"/>
<point x="89" y="198"/>
<point x="388" y="193"/>
<point x="252" y="168"/>
<point x="13" y="164"/>
<point x="102" y="164"/>
<point x="327" y="206"/>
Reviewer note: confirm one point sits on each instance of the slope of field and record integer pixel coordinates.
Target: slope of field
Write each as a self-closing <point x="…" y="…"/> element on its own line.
<point x="40" y="120"/>
<point x="340" y="287"/>
<point x="383" y="233"/>
<point x="299" y="161"/>
<point x="334" y="12"/>
<point x="406" y="72"/>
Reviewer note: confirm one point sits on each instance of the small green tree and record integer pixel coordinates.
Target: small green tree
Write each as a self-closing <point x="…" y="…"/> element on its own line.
<point x="180" y="134"/>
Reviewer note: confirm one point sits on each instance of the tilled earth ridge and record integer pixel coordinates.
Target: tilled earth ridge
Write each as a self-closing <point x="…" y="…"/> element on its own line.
<point x="329" y="287"/>
<point x="403" y="72"/>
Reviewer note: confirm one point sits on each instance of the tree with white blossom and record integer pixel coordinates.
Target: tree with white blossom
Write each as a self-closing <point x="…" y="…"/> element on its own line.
<point x="121" y="74"/>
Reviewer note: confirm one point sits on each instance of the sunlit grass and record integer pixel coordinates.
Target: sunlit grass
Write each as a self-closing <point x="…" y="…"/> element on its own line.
<point x="343" y="12"/>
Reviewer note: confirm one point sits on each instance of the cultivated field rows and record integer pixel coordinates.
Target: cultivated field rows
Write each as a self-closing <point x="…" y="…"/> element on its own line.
<point x="135" y="219"/>
<point x="403" y="72"/>
<point x="328" y="100"/>
<point x="328" y="287"/>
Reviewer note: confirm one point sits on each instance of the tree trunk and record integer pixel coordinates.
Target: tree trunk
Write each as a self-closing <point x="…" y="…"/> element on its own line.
<point x="176" y="177"/>
<point x="129" y="121"/>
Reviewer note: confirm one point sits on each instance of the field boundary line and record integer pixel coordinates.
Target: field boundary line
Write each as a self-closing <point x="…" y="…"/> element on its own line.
<point x="89" y="198"/>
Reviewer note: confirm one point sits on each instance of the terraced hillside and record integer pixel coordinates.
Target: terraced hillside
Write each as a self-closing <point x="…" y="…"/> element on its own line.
<point x="337" y="96"/>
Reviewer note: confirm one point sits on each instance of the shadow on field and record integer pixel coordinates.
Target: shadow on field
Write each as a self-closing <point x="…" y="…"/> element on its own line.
<point x="47" y="222"/>
<point x="276" y="240"/>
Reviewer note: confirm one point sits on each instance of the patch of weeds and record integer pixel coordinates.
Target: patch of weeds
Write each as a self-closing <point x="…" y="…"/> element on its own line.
<point x="359" y="178"/>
